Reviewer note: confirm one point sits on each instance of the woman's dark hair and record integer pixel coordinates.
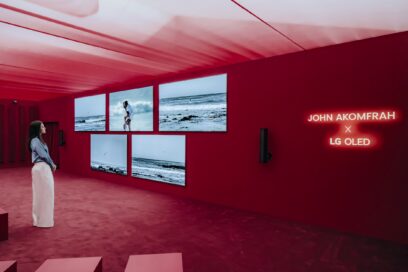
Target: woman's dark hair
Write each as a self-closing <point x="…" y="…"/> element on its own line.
<point x="34" y="131"/>
<point x="125" y="103"/>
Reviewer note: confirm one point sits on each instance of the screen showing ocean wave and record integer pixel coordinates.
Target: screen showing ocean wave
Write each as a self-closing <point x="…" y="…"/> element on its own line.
<point x="194" y="113"/>
<point x="103" y="167"/>
<point x="90" y="123"/>
<point x="159" y="170"/>
<point x="166" y="109"/>
<point x="213" y="98"/>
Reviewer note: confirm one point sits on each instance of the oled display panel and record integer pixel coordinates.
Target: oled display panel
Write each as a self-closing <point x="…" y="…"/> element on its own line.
<point x="160" y="158"/>
<point x="194" y="105"/>
<point x="109" y="153"/>
<point x="131" y="110"/>
<point x="90" y="113"/>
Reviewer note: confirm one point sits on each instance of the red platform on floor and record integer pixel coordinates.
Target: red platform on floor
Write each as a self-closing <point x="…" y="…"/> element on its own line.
<point x="86" y="264"/>
<point x="167" y="262"/>
<point x="8" y="266"/>
<point x="3" y="225"/>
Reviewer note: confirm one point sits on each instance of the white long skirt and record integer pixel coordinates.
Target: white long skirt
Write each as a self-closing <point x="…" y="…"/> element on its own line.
<point x="43" y="195"/>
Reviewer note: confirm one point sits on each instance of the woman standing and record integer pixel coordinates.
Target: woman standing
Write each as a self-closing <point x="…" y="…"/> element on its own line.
<point x="128" y="115"/>
<point x="43" y="180"/>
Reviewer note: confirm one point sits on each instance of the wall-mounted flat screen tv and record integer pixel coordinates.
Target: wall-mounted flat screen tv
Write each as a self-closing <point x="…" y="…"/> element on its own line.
<point x="90" y="113"/>
<point x="109" y="153"/>
<point x="160" y="158"/>
<point x="194" y="105"/>
<point x="131" y="110"/>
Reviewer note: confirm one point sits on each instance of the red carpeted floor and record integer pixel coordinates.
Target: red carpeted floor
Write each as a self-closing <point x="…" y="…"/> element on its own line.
<point x="98" y="218"/>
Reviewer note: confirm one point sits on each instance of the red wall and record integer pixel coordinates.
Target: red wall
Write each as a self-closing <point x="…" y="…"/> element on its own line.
<point x="364" y="192"/>
<point x="15" y="118"/>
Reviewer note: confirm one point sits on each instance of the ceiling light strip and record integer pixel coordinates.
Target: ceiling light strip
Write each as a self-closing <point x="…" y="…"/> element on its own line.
<point x="269" y="25"/>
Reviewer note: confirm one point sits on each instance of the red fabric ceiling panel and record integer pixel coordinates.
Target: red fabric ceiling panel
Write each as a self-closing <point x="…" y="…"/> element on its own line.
<point x="50" y="50"/>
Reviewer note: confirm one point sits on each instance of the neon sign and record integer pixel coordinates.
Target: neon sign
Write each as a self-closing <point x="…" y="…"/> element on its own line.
<point x="348" y="135"/>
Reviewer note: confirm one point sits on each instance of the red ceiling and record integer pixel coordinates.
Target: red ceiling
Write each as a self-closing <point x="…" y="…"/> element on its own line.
<point x="50" y="50"/>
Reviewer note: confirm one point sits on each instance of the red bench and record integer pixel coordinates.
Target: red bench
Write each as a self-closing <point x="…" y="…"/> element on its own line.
<point x="86" y="264"/>
<point x="8" y="266"/>
<point x="3" y="225"/>
<point x="167" y="262"/>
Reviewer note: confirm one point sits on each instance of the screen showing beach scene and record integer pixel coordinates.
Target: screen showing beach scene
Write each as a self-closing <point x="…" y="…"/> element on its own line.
<point x="194" y="105"/>
<point x="109" y="153"/>
<point x="131" y="110"/>
<point x="160" y="158"/>
<point x="90" y="113"/>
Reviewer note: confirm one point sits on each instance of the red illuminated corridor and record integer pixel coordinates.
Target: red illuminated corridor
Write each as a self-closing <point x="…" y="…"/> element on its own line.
<point x="224" y="135"/>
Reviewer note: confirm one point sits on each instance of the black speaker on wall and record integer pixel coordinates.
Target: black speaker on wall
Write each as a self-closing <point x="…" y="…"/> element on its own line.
<point x="61" y="139"/>
<point x="264" y="153"/>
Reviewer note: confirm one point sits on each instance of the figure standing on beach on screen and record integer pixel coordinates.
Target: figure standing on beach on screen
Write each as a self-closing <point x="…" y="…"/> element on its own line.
<point x="42" y="177"/>
<point x="128" y="115"/>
